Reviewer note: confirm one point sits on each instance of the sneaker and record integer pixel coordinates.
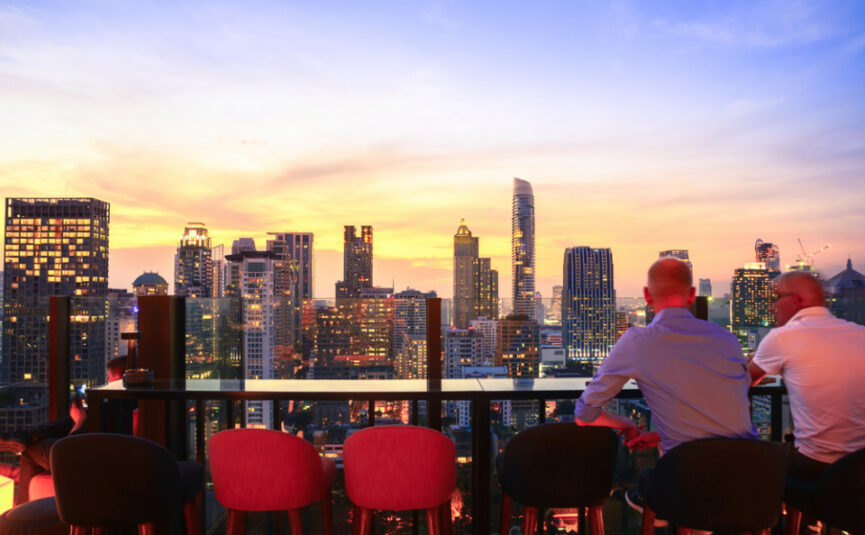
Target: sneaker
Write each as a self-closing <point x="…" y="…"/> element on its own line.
<point x="632" y="496"/>
<point x="12" y="443"/>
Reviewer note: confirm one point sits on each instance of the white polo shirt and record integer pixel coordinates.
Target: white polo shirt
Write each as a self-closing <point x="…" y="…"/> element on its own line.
<point x="822" y="361"/>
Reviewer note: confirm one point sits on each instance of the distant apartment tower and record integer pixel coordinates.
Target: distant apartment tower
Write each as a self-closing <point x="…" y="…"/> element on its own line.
<point x="193" y="263"/>
<point x="357" y="262"/>
<point x="705" y="287"/>
<point x="463" y="347"/>
<point x="52" y="246"/>
<point x="488" y="329"/>
<point x="218" y="255"/>
<point x="409" y="333"/>
<point x="287" y="301"/>
<point x="621" y="323"/>
<point x="751" y="304"/>
<point x="518" y="345"/>
<point x="768" y="254"/>
<point x="253" y="281"/>
<point x="523" y="248"/>
<point x="588" y="303"/>
<point x="476" y="285"/>
<point x="150" y="283"/>
<point x="299" y="246"/>
<point x="121" y="319"/>
<point x="556" y="305"/>
<point x="681" y="254"/>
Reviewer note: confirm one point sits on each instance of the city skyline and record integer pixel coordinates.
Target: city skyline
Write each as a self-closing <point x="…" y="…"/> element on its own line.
<point x="747" y="124"/>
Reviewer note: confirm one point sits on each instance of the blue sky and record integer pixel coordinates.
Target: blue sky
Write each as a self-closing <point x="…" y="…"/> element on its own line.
<point x="642" y="126"/>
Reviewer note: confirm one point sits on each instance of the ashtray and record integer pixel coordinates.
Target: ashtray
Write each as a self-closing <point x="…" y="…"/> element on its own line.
<point x="138" y="376"/>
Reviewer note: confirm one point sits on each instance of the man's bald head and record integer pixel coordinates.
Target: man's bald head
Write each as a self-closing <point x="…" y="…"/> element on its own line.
<point x="669" y="285"/>
<point x="805" y="286"/>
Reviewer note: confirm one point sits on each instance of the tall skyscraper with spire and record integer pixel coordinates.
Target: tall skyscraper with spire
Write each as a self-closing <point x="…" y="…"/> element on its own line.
<point x="523" y="248"/>
<point x="193" y="263"/>
<point x="476" y="286"/>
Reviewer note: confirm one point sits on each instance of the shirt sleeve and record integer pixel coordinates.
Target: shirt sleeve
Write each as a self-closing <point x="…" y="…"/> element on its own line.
<point x="614" y="372"/>
<point x="770" y="355"/>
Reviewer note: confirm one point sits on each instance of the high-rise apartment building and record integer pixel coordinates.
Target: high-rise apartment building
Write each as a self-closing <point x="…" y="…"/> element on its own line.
<point x="409" y="332"/>
<point x="476" y="285"/>
<point x="53" y="246"/>
<point x="193" y="263"/>
<point x="621" y="323"/>
<point x="218" y="255"/>
<point x="357" y="262"/>
<point x="523" y="248"/>
<point x="556" y="305"/>
<point x="462" y="347"/>
<point x="299" y="246"/>
<point x="588" y="303"/>
<point x="768" y="254"/>
<point x="287" y="301"/>
<point x="518" y="345"/>
<point x="751" y="303"/>
<point x="488" y="329"/>
<point x="705" y="287"/>
<point x="681" y="254"/>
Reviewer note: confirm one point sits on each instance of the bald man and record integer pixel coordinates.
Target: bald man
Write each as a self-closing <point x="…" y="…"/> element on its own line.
<point x="691" y="373"/>
<point x="822" y="361"/>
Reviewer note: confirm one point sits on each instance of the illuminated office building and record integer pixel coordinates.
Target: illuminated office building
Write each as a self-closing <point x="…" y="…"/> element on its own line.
<point x="193" y="263"/>
<point x="523" y="248"/>
<point x="751" y="311"/>
<point x="357" y="262"/>
<point x="150" y="284"/>
<point x="588" y="303"/>
<point x="768" y="254"/>
<point x="409" y="333"/>
<point x="518" y="345"/>
<point x="53" y="246"/>
<point x="299" y="246"/>
<point x="476" y="285"/>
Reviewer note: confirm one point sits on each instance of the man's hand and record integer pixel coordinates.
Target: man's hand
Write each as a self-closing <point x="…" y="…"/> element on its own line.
<point x="630" y="433"/>
<point x="643" y="440"/>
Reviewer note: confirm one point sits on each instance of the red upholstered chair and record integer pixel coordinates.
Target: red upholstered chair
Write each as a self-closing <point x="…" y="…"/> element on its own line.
<point x="262" y="470"/>
<point x="400" y="467"/>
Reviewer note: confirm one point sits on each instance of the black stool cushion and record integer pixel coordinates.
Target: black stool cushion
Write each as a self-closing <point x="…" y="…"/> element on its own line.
<point x="840" y="494"/>
<point x="720" y="484"/>
<point x="560" y="465"/>
<point x="191" y="479"/>
<point x="38" y="517"/>
<point x="111" y="481"/>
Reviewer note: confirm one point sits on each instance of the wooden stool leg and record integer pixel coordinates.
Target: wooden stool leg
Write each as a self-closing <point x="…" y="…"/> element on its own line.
<point x="596" y="519"/>
<point x="530" y="521"/>
<point x="794" y="519"/>
<point x="77" y="530"/>
<point x="684" y="531"/>
<point x="505" y="515"/>
<point x="295" y="521"/>
<point x="433" y="521"/>
<point x="327" y="514"/>
<point x="447" y="520"/>
<point x="648" y="527"/>
<point x="97" y="531"/>
<point x="191" y="517"/>
<point x="147" y="529"/>
<point x="363" y="521"/>
<point x="236" y="522"/>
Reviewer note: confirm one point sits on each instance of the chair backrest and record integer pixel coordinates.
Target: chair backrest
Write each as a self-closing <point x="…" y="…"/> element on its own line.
<point x="840" y="496"/>
<point x="399" y="467"/>
<point x="106" y="480"/>
<point x="560" y="465"/>
<point x="264" y="470"/>
<point x="720" y="484"/>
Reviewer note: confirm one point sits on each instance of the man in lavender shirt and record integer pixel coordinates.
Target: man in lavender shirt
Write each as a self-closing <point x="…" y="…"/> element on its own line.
<point x="691" y="373"/>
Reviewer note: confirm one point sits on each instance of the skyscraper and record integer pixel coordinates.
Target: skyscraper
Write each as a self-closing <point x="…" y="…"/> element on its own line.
<point x="287" y="250"/>
<point x="751" y="305"/>
<point x="518" y="346"/>
<point x="705" y="287"/>
<point x="150" y="283"/>
<point x="588" y="303"/>
<point x="476" y="286"/>
<point x="681" y="254"/>
<point x="768" y="254"/>
<point x="53" y="246"/>
<point x="298" y="245"/>
<point x="523" y="248"/>
<point x="357" y="262"/>
<point x="193" y="263"/>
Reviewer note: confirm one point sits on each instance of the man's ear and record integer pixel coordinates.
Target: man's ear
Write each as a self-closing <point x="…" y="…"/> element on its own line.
<point x="692" y="295"/>
<point x="647" y="296"/>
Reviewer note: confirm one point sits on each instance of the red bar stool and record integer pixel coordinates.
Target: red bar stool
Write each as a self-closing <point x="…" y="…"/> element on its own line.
<point x="400" y="468"/>
<point x="263" y="470"/>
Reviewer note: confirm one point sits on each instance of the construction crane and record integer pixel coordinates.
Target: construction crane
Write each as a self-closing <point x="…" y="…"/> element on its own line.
<point x="806" y="258"/>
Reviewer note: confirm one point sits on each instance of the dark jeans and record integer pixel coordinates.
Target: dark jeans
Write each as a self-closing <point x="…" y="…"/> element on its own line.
<point x="802" y="466"/>
<point x="35" y="457"/>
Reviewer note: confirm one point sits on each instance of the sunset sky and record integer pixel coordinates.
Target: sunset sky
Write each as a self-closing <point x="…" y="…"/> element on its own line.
<point x="641" y="126"/>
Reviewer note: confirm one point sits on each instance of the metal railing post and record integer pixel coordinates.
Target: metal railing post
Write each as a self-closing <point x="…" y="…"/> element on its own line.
<point x="58" y="357"/>
<point x="434" y="359"/>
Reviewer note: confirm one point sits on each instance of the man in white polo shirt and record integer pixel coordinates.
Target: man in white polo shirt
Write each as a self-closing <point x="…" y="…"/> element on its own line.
<point x="822" y="361"/>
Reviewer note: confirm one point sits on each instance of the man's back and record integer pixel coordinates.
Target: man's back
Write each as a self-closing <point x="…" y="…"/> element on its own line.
<point x="691" y="373"/>
<point x="822" y="361"/>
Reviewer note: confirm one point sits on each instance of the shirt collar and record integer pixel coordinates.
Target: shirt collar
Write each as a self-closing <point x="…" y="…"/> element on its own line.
<point x="673" y="312"/>
<point x="808" y="312"/>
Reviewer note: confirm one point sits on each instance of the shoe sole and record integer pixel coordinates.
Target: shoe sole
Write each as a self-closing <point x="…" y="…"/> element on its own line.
<point x="636" y="507"/>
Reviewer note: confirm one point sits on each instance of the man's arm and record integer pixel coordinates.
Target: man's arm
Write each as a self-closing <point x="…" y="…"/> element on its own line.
<point x="611" y="377"/>
<point x="768" y="359"/>
<point x="605" y="419"/>
<point x="757" y="373"/>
